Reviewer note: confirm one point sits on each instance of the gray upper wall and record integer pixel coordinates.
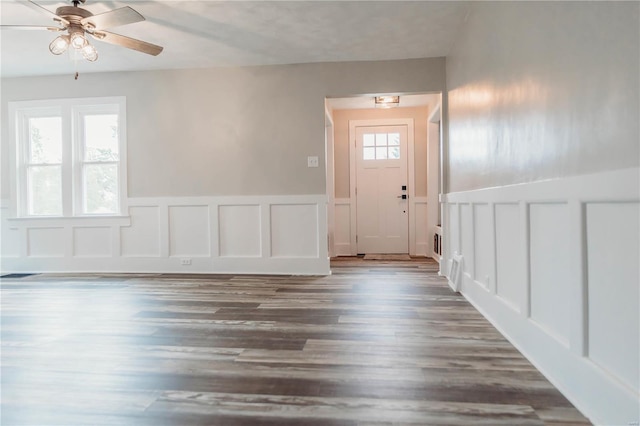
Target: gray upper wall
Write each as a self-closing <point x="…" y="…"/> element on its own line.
<point x="227" y="131"/>
<point x="543" y="90"/>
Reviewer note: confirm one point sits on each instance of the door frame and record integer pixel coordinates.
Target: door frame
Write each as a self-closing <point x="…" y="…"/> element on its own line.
<point x="434" y="178"/>
<point x="411" y="192"/>
<point x="330" y="180"/>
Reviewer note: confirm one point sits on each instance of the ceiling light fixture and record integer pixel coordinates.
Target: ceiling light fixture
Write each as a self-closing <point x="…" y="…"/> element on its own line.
<point x="77" y="24"/>
<point x="59" y="45"/>
<point x="387" y="101"/>
<point x="78" y="40"/>
<point x="90" y="53"/>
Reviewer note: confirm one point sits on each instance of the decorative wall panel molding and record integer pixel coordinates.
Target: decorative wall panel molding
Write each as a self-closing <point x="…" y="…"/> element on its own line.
<point x="243" y="234"/>
<point x="554" y="266"/>
<point x="342" y="231"/>
<point x="422" y="238"/>
<point x="94" y="241"/>
<point x="239" y="232"/>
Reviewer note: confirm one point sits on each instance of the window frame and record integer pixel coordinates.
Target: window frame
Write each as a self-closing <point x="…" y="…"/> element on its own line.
<point x="375" y="147"/>
<point x="24" y="150"/>
<point x="71" y="112"/>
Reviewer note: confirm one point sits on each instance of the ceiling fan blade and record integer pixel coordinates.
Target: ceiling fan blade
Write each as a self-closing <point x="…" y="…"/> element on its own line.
<point x="131" y="43"/>
<point x="29" y="27"/>
<point x="114" y="18"/>
<point x="47" y="11"/>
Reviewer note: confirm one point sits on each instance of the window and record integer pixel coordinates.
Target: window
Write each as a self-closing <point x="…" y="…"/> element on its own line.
<point x="70" y="157"/>
<point x="381" y="146"/>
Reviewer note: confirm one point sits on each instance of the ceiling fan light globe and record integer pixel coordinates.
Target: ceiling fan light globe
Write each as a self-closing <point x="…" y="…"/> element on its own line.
<point x="90" y="53"/>
<point x="78" y="40"/>
<point x="59" y="45"/>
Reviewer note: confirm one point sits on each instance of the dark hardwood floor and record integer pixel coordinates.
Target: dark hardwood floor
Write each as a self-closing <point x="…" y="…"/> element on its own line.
<point x="376" y="343"/>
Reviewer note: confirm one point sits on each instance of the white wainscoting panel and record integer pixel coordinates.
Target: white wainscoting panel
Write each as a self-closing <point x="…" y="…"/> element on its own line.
<point x="46" y="242"/>
<point x="549" y="231"/>
<point x="483" y="245"/>
<point x="567" y="281"/>
<point x="421" y="242"/>
<point x="10" y="242"/>
<point x="142" y="237"/>
<point x="466" y="239"/>
<point x="452" y="236"/>
<point x="510" y="257"/>
<point x="275" y="234"/>
<point x="613" y="289"/>
<point x="239" y="231"/>
<point x="9" y="237"/>
<point x="342" y="212"/>
<point x="92" y="241"/>
<point x="189" y="231"/>
<point x="294" y="230"/>
<point x="424" y="238"/>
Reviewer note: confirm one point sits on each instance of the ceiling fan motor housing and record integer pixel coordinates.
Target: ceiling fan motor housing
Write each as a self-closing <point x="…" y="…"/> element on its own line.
<point x="73" y="14"/>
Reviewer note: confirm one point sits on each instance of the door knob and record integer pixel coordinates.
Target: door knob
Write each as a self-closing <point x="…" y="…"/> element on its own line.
<point x="403" y="196"/>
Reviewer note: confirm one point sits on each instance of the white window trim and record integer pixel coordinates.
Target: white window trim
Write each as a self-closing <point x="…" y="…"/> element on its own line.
<point x="70" y="110"/>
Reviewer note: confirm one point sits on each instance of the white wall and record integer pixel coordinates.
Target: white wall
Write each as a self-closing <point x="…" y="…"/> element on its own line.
<point x="204" y="134"/>
<point x="543" y="159"/>
<point x="227" y="131"/>
<point x="542" y="90"/>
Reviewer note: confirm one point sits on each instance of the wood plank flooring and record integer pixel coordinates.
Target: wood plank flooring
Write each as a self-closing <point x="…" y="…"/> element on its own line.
<point x="376" y="343"/>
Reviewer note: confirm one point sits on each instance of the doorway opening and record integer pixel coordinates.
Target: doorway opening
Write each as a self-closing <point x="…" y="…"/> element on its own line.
<point x="380" y="168"/>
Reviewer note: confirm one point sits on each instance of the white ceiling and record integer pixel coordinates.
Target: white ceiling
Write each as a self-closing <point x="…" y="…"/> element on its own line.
<point x="234" y="33"/>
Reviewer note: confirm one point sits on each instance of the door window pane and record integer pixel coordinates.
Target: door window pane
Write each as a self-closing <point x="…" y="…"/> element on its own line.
<point x="394" y="152"/>
<point x="45" y="140"/>
<point x="100" y="188"/>
<point x="381" y="139"/>
<point x="44" y="189"/>
<point x="394" y="139"/>
<point x="369" y="154"/>
<point x="381" y="153"/>
<point x="101" y="137"/>
<point x="368" y="139"/>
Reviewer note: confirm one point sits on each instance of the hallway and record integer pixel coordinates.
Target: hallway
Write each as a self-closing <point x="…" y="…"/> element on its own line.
<point x="376" y="343"/>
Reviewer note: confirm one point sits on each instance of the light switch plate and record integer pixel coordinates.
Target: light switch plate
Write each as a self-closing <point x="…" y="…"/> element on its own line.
<point x="312" y="161"/>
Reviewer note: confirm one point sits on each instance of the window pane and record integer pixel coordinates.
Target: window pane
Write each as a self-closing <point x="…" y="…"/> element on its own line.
<point x="381" y="139"/>
<point x="44" y="187"/>
<point x="369" y="154"/>
<point x="45" y="140"/>
<point x="394" y="152"/>
<point x="100" y="188"/>
<point x="101" y="137"/>
<point x="381" y="153"/>
<point x="367" y="139"/>
<point x="394" y="138"/>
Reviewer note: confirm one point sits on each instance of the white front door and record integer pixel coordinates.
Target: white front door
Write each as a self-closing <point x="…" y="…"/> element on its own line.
<point x="381" y="182"/>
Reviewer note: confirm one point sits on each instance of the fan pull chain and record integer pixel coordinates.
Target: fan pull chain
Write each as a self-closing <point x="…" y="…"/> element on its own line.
<point x="74" y="58"/>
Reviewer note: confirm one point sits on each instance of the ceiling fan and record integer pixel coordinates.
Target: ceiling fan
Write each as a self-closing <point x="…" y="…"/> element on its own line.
<point x="75" y="23"/>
